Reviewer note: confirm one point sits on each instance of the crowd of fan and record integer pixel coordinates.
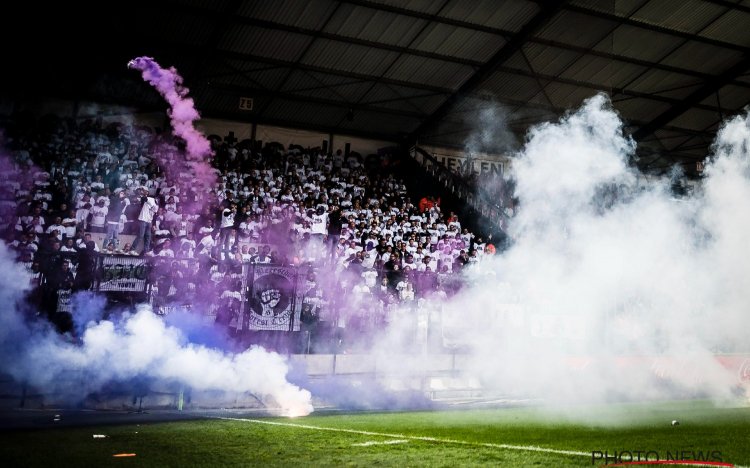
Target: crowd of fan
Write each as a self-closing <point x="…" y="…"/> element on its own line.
<point x="67" y="180"/>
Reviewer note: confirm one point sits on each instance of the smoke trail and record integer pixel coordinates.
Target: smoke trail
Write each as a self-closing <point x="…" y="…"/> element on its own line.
<point x="182" y="114"/>
<point x="255" y="368"/>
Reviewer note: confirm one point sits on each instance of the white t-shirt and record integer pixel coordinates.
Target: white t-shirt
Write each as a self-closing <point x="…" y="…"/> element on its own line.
<point x="148" y="210"/>
<point x="99" y="215"/>
<point x="318" y="223"/>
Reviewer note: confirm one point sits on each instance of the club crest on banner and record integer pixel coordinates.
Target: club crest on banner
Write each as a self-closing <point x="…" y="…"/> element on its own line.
<point x="271" y="302"/>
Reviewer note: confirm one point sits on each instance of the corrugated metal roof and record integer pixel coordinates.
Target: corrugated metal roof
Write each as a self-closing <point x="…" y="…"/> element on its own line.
<point x="458" y="42"/>
<point x="427" y="6"/>
<point x="540" y="98"/>
<point x="380" y="93"/>
<point x="309" y="14"/>
<point x="567" y="96"/>
<point x="503" y="14"/>
<point x="690" y="16"/>
<point x="609" y="74"/>
<point x="678" y="92"/>
<point x="377" y="26"/>
<point x="641" y="110"/>
<point x="549" y="60"/>
<point x="703" y="58"/>
<point x="629" y="41"/>
<point x="470" y="104"/>
<point x="325" y="56"/>
<point x="427" y="104"/>
<point x="617" y="7"/>
<point x="265" y="42"/>
<point x="322" y="85"/>
<point x="732" y="27"/>
<point x="396" y="97"/>
<point x="518" y="62"/>
<point x="427" y="70"/>
<point x="349" y="57"/>
<point x="511" y="86"/>
<point x="682" y="143"/>
<point x="729" y="96"/>
<point x="657" y="81"/>
<point x="254" y="75"/>
<point x="696" y="119"/>
<point x="576" y="29"/>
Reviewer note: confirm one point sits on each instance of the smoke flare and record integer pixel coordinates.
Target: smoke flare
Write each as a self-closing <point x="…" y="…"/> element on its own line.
<point x="182" y="114"/>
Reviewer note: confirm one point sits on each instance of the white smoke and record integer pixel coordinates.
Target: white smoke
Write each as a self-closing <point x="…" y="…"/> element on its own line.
<point x="602" y="268"/>
<point x="492" y="132"/>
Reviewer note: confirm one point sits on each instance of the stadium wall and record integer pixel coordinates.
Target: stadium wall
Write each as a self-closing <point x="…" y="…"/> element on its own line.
<point x="432" y="375"/>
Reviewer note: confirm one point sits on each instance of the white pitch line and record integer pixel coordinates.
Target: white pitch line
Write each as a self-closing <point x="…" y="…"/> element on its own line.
<point x="387" y="442"/>
<point x="527" y="448"/>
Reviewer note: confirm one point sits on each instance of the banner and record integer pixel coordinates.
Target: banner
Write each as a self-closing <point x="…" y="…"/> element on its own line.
<point x="272" y="303"/>
<point x="123" y="274"/>
<point x="63" y="300"/>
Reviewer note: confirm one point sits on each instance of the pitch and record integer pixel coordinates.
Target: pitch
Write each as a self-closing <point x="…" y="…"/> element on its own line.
<point x="623" y="434"/>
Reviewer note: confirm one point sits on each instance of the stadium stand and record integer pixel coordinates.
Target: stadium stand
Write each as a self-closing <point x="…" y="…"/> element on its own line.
<point x="93" y="210"/>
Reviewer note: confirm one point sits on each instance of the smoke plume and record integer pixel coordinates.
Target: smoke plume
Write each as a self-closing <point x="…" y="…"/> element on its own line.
<point x="182" y="114"/>
<point x="605" y="274"/>
<point x="139" y="345"/>
<point x="492" y="132"/>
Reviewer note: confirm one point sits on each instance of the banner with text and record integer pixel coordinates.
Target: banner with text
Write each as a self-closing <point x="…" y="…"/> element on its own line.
<point x="124" y="274"/>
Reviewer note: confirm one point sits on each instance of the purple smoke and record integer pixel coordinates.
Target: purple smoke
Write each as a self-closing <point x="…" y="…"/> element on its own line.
<point x="111" y="346"/>
<point x="182" y="114"/>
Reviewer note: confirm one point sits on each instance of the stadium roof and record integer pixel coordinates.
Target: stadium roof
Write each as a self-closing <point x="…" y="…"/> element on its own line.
<point x="408" y="70"/>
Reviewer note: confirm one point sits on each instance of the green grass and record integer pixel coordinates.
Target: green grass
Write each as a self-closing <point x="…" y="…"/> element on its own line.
<point x="216" y="442"/>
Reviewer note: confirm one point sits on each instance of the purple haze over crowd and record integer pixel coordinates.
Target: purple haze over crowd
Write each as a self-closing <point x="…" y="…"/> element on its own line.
<point x="582" y="263"/>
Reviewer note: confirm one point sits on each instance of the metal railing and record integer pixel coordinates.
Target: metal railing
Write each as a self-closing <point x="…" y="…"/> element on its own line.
<point x="459" y="187"/>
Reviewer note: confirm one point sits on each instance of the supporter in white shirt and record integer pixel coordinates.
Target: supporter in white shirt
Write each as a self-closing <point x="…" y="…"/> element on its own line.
<point x="166" y="249"/>
<point x="98" y="217"/>
<point x="97" y="185"/>
<point x="171" y="204"/>
<point x="68" y="246"/>
<point x="149" y="207"/>
<point x="466" y="236"/>
<point x="370" y="277"/>
<point x="406" y="293"/>
<point x="369" y="259"/>
<point x="207" y="229"/>
<point x="480" y="246"/>
<point x="69" y="223"/>
<point x="208" y="242"/>
<point x="319" y="223"/>
<point x="58" y="227"/>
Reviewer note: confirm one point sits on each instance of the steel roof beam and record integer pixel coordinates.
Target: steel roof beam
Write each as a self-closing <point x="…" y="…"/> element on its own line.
<point x="513" y="45"/>
<point x="532" y="40"/>
<point x="259" y="23"/>
<point x="708" y="88"/>
<point x="655" y="28"/>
